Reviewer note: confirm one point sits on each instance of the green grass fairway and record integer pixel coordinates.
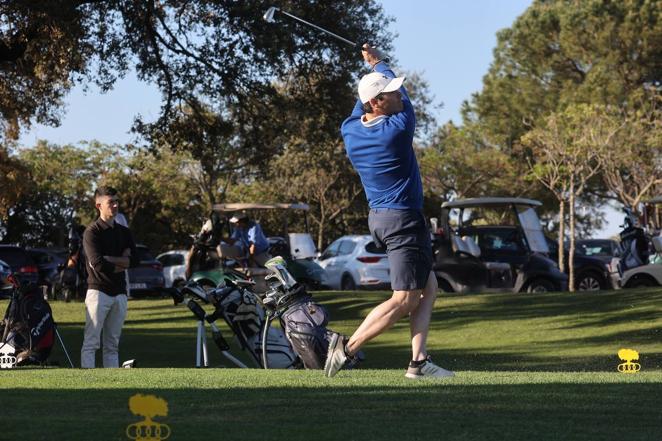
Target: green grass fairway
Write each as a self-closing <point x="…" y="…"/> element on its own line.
<point x="529" y="367"/>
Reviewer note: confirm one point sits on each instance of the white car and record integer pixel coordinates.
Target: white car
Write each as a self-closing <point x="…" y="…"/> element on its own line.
<point x="645" y="275"/>
<point x="354" y="262"/>
<point x="174" y="267"/>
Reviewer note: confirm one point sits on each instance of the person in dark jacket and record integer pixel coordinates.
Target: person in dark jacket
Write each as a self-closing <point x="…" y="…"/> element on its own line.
<point x="110" y="250"/>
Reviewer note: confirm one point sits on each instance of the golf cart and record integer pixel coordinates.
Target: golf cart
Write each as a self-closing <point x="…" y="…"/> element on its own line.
<point x="497" y="245"/>
<point x="298" y="249"/>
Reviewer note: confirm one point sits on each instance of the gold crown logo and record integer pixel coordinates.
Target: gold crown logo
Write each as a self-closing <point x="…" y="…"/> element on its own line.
<point x="628" y="367"/>
<point x="148" y="406"/>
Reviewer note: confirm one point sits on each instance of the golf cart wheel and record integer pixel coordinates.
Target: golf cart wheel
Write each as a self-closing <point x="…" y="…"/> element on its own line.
<point x="590" y="281"/>
<point x="540" y="286"/>
<point x="640" y="282"/>
<point x="347" y="283"/>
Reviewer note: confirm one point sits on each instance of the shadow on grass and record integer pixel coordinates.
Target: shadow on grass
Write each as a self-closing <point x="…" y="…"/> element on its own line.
<point x="430" y="411"/>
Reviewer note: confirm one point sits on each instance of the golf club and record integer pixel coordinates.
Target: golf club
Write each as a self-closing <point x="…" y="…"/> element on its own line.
<point x="269" y="17"/>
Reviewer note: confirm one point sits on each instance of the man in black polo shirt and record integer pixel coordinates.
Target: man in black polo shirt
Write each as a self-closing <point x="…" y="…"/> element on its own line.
<point x="110" y="250"/>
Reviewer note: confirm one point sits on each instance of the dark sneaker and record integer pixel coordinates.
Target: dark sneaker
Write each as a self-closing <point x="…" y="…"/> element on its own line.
<point x="427" y="369"/>
<point x="335" y="357"/>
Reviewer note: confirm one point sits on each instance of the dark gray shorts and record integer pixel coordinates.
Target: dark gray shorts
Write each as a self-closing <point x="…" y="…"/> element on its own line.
<point x="407" y="241"/>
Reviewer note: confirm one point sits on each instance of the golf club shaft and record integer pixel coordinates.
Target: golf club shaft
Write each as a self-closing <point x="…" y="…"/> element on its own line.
<point x="318" y="28"/>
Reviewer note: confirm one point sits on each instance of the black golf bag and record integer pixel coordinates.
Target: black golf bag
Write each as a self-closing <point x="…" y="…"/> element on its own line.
<point x="28" y="327"/>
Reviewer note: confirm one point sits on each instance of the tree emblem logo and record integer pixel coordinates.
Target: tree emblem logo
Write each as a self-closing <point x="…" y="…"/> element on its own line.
<point x="627" y="355"/>
<point x="7" y="356"/>
<point x="148" y="407"/>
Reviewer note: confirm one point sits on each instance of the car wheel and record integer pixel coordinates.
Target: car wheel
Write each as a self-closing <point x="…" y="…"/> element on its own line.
<point x="640" y="282"/>
<point x="539" y="286"/>
<point x="590" y="282"/>
<point x="347" y="283"/>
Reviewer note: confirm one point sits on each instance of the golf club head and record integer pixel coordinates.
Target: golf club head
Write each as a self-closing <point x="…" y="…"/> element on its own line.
<point x="269" y="15"/>
<point x="278" y="268"/>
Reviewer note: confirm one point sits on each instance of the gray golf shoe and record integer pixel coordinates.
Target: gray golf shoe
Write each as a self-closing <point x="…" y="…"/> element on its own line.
<point x="335" y="357"/>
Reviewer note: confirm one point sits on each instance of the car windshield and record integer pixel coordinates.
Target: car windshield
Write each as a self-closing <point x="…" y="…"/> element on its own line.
<point x="595" y="248"/>
<point x="532" y="229"/>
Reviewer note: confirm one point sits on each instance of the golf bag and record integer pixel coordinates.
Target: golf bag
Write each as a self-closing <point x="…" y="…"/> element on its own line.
<point x="245" y="316"/>
<point x="28" y="326"/>
<point x="304" y="320"/>
<point x="305" y="323"/>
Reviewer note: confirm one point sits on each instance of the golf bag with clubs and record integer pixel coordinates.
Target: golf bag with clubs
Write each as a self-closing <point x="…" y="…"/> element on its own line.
<point x="242" y="312"/>
<point x="28" y="327"/>
<point x="634" y="243"/>
<point x="304" y="320"/>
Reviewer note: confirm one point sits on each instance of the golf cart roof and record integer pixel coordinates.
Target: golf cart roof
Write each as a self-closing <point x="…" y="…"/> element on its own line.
<point x="480" y="202"/>
<point x="655" y="200"/>
<point x="239" y="207"/>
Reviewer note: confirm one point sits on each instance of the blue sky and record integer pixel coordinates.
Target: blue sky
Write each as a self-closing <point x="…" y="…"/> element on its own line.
<point x="449" y="42"/>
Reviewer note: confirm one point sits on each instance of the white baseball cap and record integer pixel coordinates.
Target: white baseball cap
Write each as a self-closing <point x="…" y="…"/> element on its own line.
<point x="375" y="83"/>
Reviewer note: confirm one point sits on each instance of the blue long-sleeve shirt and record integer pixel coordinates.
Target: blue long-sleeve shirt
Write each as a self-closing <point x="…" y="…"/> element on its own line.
<point x="382" y="153"/>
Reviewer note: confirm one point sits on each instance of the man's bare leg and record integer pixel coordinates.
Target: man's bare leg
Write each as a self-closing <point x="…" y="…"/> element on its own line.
<point x="384" y="316"/>
<point x="419" y="320"/>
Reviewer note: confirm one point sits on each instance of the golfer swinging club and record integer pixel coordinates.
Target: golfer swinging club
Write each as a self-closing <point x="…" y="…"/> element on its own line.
<point x="378" y="138"/>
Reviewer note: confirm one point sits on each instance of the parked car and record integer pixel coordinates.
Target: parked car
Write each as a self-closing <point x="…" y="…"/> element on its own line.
<point x="147" y="277"/>
<point x="21" y="263"/>
<point x="591" y="273"/>
<point x="603" y="249"/>
<point x="174" y="267"/>
<point x="354" y="262"/>
<point x="497" y="246"/>
<point x="48" y="262"/>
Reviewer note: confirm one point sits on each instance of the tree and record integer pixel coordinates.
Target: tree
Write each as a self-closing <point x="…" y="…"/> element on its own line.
<point x="214" y="51"/>
<point x="566" y="153"/>
<point x="61" y="181"/>
<point x="458" y="164"/>
<point x="14" y="182"/>
<point x="633" y="168"/>
<point x="562" y="52"/>
<point x="158" y="196"/>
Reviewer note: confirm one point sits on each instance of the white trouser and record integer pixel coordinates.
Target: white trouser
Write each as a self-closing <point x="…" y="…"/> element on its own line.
<point x="103" y="314"/>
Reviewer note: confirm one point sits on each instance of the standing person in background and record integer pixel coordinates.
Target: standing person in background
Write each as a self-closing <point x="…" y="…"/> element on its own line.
<point x="110" y="251"/>
<point x="378" y="139"/>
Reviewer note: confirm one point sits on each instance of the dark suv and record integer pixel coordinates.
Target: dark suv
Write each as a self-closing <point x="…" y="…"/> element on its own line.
<point x="49" y="262"/>
<point x="591" y="273"/>
<point x="21" y="264"/>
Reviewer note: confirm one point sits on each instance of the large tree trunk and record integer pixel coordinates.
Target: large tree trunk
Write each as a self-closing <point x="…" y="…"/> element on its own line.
<point x="561" y="256"/>
<point x="571" y="251"/>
